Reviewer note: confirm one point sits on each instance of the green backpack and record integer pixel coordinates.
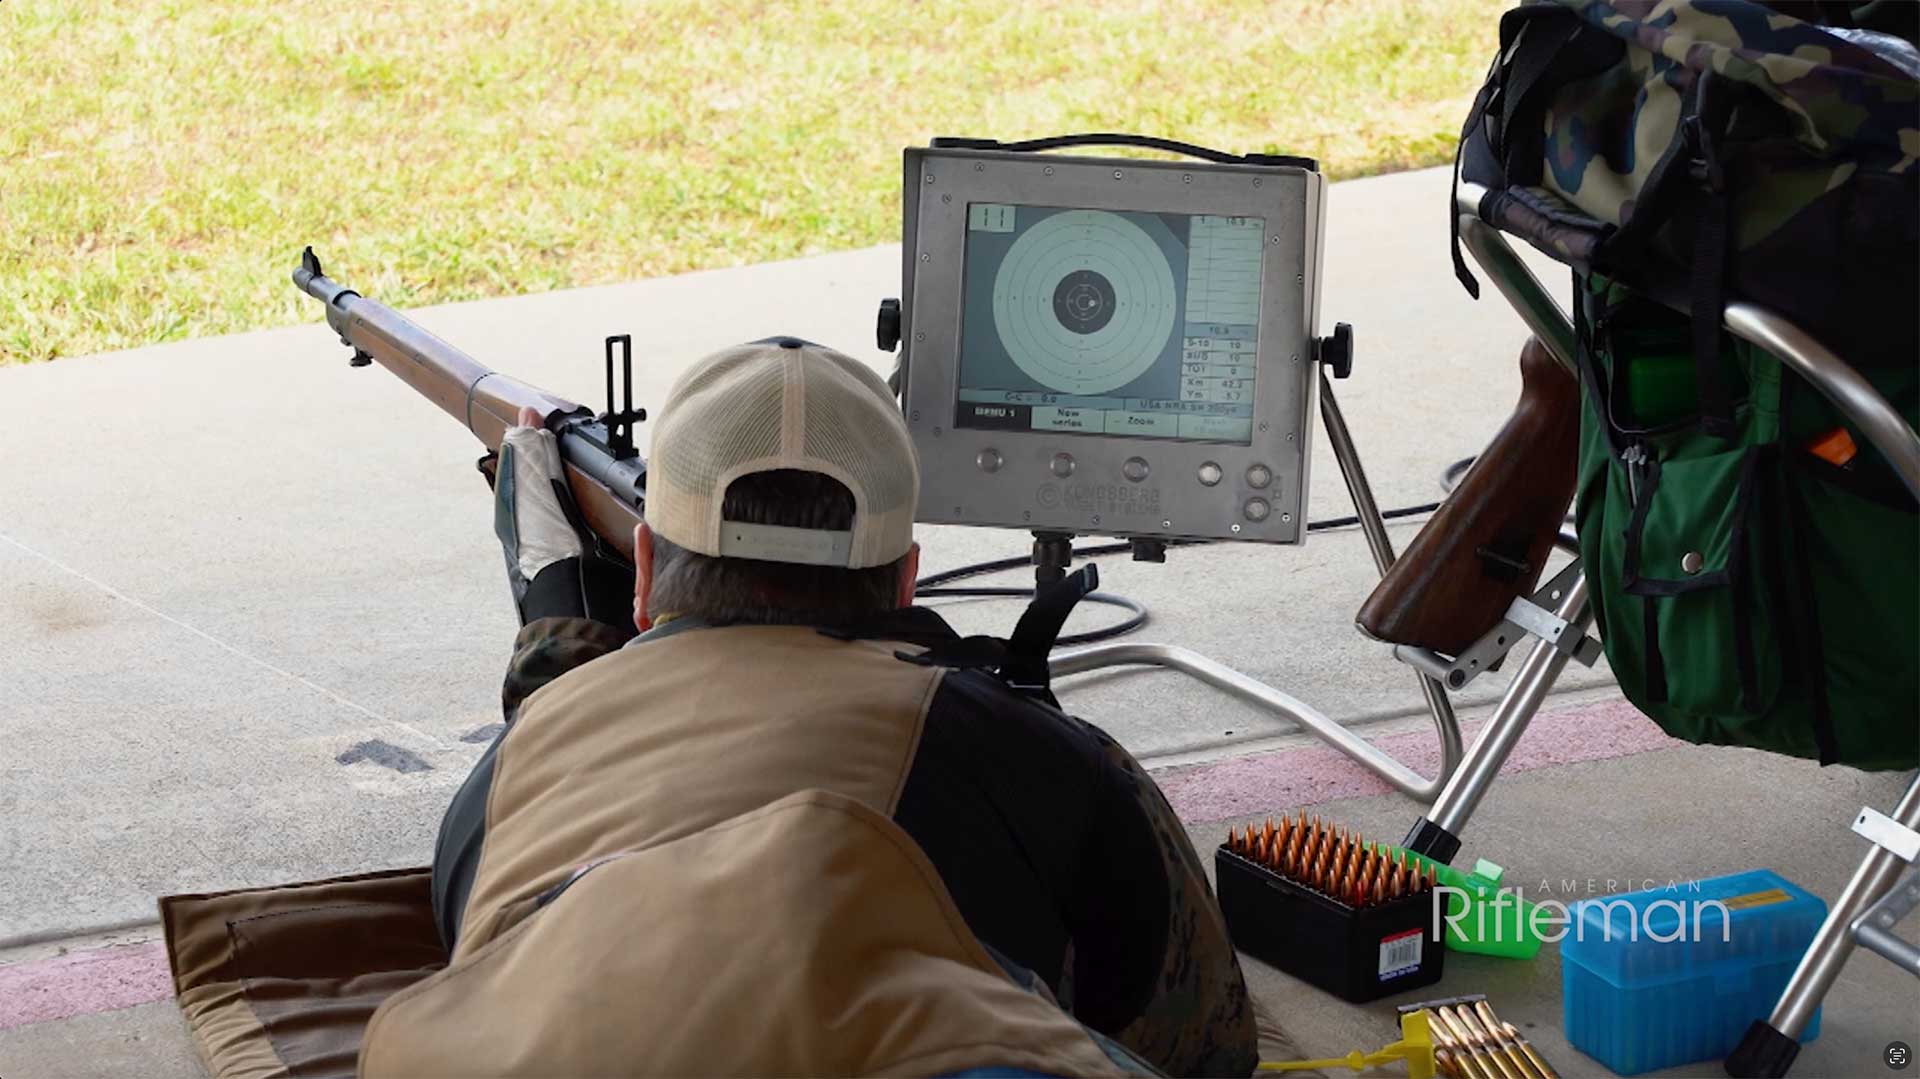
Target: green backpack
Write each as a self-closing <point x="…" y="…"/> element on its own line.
<point x="1761" y="590"/>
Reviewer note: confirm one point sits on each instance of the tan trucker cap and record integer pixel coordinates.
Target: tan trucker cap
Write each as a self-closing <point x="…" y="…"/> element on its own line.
<point x="783" y="403"/>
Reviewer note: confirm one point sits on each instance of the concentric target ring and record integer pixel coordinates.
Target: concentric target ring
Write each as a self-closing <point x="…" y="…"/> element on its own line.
<point x="1084" y="301"/>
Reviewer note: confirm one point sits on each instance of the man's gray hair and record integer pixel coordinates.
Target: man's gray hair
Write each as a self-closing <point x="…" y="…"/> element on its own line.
<point x="739" y="590"/>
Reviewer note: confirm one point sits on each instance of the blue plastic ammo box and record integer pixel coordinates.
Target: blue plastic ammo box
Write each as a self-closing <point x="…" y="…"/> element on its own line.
<point x="1647" y="980"/>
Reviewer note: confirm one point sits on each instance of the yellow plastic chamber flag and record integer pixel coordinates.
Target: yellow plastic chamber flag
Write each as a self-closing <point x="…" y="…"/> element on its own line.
<point x="1415" y="1047"/>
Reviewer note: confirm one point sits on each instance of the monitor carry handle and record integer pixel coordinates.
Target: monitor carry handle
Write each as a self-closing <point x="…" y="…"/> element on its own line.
<point x="1108" y="138"/>
<point x="1336" y="351"/>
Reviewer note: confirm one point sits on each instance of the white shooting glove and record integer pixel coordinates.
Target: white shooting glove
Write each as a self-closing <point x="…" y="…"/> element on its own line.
<point x="554" y="566"/>
<point x="528" y="515"/>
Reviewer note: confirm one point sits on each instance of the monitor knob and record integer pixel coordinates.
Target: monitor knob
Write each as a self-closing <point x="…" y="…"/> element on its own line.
<point x="1337" y="351"/>
<point x="886" y="332"/>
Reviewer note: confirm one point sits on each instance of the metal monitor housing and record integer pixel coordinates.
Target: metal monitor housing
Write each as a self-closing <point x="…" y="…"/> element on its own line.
<point x="1111" y="484"/>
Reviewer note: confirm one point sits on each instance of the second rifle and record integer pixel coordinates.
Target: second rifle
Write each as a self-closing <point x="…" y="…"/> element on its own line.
<point x="1490" y="539"/>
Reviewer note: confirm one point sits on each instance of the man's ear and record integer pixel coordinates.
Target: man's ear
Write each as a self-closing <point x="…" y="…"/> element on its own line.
<point x="642" y="575"/>
<point x="909" y="575"/>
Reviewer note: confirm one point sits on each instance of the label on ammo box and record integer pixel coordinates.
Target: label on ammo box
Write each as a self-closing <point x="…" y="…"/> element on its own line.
<point x="1400" y="953"/>
<point x="1756" y="899"/>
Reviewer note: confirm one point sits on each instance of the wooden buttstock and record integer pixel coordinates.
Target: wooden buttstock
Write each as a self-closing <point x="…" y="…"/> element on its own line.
<point x="1490" y="539"/>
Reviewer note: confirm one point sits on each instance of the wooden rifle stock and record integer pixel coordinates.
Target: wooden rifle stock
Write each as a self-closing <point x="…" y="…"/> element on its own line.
<point x="608" y="484"/>
<point x="1490" y="539"/>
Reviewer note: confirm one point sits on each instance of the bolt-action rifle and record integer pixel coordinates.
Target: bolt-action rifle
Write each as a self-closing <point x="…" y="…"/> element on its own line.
<point x="604" y="472"/>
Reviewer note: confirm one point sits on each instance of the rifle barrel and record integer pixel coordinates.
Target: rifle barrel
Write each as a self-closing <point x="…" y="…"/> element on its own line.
<point x="609" y="491"/>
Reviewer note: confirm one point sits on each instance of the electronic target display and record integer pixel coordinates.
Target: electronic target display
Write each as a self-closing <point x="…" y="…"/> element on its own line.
<point x="1082" y="321"/>
<point x="1110" y="346"/>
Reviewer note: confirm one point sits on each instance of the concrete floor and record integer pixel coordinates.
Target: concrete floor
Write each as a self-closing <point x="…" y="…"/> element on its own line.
<point x="145" y="1042"/>
<point x="224" y="563"/>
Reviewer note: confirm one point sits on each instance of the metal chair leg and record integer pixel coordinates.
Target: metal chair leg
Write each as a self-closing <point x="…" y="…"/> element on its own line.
<point x="1437" y="835"/>
<point x="1771" y="1044"/>
<point x="1874" y="929"/>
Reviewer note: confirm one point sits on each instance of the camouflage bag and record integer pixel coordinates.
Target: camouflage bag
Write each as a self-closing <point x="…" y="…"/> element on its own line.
<point x="1705" y="151"/>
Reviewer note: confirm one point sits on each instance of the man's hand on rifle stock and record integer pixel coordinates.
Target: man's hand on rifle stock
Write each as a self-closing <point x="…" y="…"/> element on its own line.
<point x="552" y="562"/>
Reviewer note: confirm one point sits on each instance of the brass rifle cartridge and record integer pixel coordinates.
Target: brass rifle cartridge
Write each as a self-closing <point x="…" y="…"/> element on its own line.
<point x="1510" y="1064"/>
<point x="1482" y="1016"/>
<point x="1489" y="1061"/>
<point x="1463" y="1057"/>
<point x="1519" y="1039"/>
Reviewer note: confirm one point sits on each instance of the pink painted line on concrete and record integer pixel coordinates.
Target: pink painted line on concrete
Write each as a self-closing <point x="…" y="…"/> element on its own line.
<point x="82" y="983"/>
<point x="1289" y="778"/>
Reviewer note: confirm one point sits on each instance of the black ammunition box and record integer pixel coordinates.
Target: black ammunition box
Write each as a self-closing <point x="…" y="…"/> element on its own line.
<point x="1357" y="954"/>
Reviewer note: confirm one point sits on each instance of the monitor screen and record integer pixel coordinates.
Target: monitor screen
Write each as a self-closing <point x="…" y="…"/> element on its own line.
<point x="1110" y="323"/>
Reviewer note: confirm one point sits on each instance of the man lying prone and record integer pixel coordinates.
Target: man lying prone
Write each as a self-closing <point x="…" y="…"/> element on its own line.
<point x="769" y="835"/>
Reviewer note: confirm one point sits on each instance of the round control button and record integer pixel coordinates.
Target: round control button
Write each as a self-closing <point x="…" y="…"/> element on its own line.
<point x="1210" y="474"/>
<point x="1257" y="509"/>
<point x="1135" y="469"/>
<point x="1258" y="476"/>
<point x="989" y="460"/>
<point x="1062" y="465"/>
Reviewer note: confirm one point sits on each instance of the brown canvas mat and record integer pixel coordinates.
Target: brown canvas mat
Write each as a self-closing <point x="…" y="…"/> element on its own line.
<point x="281" y="981"/>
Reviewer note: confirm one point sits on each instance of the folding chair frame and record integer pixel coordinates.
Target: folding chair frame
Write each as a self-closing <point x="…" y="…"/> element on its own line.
<point x="1860" y="912"/>
<point x="1865" y="908"/>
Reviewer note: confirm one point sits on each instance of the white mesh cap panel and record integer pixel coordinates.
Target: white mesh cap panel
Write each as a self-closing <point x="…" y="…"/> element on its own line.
<point x="723" y="413"/>
<point x="851" y="423"/>
<point x="759" y="407"/>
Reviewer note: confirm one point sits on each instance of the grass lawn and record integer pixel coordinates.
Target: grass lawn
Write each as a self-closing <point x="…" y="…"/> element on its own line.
<point x="163" y="161"/>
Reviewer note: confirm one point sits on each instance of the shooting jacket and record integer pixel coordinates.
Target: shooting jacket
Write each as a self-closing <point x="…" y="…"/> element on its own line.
<point x="727" y="934"/>
<point x="689" y="866"/>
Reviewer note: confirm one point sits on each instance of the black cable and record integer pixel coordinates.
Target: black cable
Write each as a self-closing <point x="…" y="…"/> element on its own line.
<point x="1109" y="138"/>
<point x="934" y="584"/>
<point x="1103" y="633"/>
<point x="1451" y="475"/>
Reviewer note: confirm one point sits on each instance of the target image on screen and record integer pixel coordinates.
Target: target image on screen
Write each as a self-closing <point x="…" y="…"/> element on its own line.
<point x="1111" y="323"/>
